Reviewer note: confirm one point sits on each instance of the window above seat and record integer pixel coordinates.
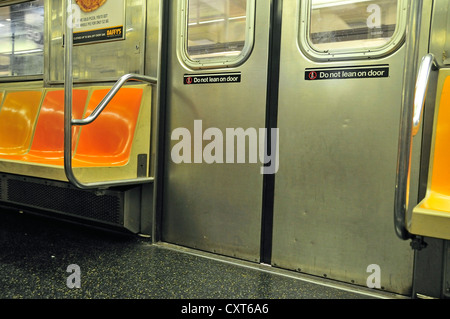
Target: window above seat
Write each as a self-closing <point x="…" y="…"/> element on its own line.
<point x="22" y="40"/>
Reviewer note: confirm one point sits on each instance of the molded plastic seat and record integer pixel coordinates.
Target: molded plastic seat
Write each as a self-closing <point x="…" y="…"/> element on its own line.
<point x="108" y="140"/>
<point x="17" y="120"/>
<point x="431" y="217"/>
<point x="48" y="141"/>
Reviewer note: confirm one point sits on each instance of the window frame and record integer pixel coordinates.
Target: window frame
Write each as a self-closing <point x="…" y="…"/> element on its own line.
<point x="30" y="77"/>
<point x="219" y="61"/>
<point x="350" y="53"/>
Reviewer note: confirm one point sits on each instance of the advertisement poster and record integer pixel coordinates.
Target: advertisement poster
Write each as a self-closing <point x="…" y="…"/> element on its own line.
<point x="99" y="21"/>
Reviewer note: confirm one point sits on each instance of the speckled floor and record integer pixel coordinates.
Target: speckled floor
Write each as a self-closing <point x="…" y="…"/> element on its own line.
<point x="35" y="253"/>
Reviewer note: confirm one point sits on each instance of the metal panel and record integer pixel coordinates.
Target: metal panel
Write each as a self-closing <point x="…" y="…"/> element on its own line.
<point x="109" y="207"/>
<point x="446" y="276"/>
<point x="439" y="38"/>
<point x="152" y="38"/>
<point x="430" y="269"/>
<point x="216" y="207"/>
<point x="335" y="186"/>
<point x="98" y="61"/>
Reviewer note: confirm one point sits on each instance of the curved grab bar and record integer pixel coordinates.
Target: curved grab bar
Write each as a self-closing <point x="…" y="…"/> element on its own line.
<point x="109" y="96"/>
<point x="401" y="198"/>
<point x="69" y="122"/>
<point x="410" y="125"/>
<point x="423" y="78"/>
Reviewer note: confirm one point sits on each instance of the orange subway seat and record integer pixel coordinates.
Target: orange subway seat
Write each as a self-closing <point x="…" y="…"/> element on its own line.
<point x="431" y="217"/>
<point x="108" y="140"/>
<point x="17" y="120"/>
<point x="438" y="197"/>
<point x="48" y="141"/>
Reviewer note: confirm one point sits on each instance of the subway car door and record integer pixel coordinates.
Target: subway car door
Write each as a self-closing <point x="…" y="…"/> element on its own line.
<point x="217" y="79"/>
<point x="341" y="78"/>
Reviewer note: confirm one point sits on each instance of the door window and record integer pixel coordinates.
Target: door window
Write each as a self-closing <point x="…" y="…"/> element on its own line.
<point x="340" y="28"/>
<point x="217" y="32"/>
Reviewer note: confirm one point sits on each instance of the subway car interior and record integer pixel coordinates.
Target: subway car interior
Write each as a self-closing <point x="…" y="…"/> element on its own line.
<point x="224" y="149"/>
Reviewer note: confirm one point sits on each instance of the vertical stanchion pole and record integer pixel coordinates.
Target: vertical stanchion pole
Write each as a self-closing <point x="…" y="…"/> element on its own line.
<point x="68" y="85"/>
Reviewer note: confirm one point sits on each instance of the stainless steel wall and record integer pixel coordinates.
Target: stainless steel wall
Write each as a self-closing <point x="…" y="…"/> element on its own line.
<point x="333" y="214"/>
<point x="215" y="207"/>
<point x="101" y="61"/>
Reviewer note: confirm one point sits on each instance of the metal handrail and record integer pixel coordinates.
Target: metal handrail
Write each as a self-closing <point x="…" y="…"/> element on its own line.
<point x="423" y="78"/>
<point x="427" y="64"/>
<point x="401" y="199"/>
<point x="69" y="122"/>
<point x="109" y="96"/>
